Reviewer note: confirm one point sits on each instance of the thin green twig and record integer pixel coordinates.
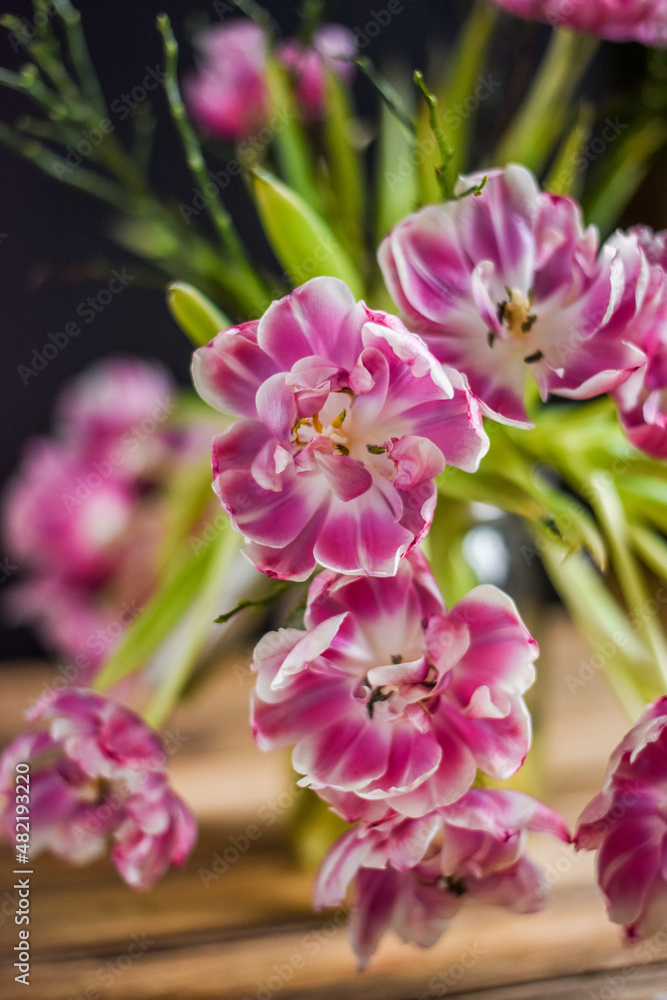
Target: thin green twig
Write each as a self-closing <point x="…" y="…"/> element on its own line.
<point x="191" y="147"/>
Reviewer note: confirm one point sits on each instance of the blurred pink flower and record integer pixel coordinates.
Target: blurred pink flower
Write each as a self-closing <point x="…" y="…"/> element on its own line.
<point x="390" y="699"/>
<point x="111" y="413"/>
<point x="228" y="95"/>
<point x="347" y="419"/>
<point x="333" y="48"/>
<point x="619" y="20"/>
<point x="642" y="399"/>
<point x="508" y="285"/>
<point x="413" y="875"/>
<point x="627" y="825"/>
<point x="83" y="514"/>
<point x="98" y="773"/>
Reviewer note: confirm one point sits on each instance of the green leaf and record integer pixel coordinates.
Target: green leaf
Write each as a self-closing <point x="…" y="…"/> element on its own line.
<point x="396" y="177"/>
<point x="301" y="240"/>
<point x="345" y="168"/>
<point x="187" y="643"/>
<point x="543" y="116"/>
<point x="645" y="495"/>
<point x="197" y="316"/>
<point x="564" y="178"/>
<point x="615" y="184"/>
<point x="488" y="487"/>
<point x="601" y="620"/>
<point x="428" y="158"/>
<point x="173" y="597"/>
<point x="651" y="548"/>
<point x="293" y="149"/>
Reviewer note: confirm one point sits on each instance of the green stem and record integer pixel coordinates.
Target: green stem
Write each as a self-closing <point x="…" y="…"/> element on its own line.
<point x="389" y="94"/>
<point x="539" y="121"/>
<point x="49" y="60"/>
<point x="442" y="174"/>
<point x="80" y="57"/>
<point x="53" y="165"/>
<point x="28" y="82"/>
<point x="191" y="147"/>
<point x="260" y="602"/>
<point x="596" y="614"/>
<point x="609" y="510"/>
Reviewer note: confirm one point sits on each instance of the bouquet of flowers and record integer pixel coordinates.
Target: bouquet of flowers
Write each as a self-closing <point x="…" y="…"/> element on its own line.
<point x="448" y="328"/>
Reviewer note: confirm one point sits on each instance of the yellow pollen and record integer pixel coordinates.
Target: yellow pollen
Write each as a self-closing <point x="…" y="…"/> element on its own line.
<point x="515" y="313"/>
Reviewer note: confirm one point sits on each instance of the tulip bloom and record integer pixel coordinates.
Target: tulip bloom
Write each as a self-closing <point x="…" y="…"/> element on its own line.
<point x="413" y="875"/>
<point x="332" y="48"/>
<point x="619" y="20"/>
<point x="83" y="514"/>
<point x="97" y="773"/>
<point x="642" y="399"/>
<point x="508" y="285"/>
<point x="627" y="825"/>
<point x="390" y="699"/>
<point x="229" y="95"/>
<point x="346" y="421"/>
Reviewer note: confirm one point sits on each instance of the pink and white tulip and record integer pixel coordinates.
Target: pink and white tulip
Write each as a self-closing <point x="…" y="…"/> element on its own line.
<point x="508" y="286"/>
<point x="618" y="20"/>
<point x="115" y="414"/>
<point x="83" y="515"/>
<point x="413" y="875"/>
<point x="389" y="699"/>
<point x="627" y="825"/>
<point x="229" y="95"/>
<point x="332" y="48"/>
<point x="642" y="399"/>
<point x="346" y="419"/>
<point x="98" y="773"/>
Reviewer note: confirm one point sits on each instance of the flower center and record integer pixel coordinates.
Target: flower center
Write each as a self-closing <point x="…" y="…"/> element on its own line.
<point x="514" y="312"/>
<point x="335" y="420"/>
<point x="401" y="693"/>
<point x="452" y="883"/>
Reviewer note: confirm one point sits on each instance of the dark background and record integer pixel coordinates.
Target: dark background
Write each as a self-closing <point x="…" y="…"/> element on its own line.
<point x="49" y="230"/>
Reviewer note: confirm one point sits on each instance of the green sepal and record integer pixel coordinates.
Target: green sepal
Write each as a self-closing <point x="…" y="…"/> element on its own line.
<point x="196" y="315"/>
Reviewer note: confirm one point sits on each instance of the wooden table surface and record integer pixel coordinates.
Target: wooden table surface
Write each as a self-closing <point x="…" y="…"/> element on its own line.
<point x="248" y="932"/>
